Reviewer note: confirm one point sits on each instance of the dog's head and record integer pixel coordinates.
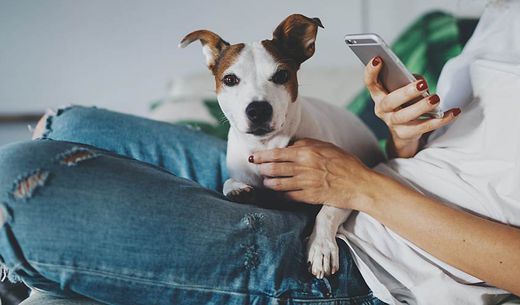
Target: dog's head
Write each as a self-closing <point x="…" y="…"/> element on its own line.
<point x="256" y="83"/>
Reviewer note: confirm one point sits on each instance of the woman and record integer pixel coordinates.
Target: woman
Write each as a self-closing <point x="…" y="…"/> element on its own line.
<point x="438" y="228"/>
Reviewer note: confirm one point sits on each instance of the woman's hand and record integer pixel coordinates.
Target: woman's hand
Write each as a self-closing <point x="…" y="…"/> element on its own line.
<point x="316" y="172"/>
<point x="405" y="127"/>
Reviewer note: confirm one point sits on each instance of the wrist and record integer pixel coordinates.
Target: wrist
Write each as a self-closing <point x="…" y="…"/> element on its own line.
<point x="372" y="192"/>
<point x="402" y="148"/>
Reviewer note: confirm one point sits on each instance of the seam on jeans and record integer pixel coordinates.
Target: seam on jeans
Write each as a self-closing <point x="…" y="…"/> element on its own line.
<point x="141" y="280"/>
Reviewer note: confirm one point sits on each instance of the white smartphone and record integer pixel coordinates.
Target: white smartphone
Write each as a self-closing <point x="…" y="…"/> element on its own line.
<point x="394" y="74"/>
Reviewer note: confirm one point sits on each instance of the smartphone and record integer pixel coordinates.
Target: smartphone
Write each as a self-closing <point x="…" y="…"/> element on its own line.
<point x="394" y="74"/>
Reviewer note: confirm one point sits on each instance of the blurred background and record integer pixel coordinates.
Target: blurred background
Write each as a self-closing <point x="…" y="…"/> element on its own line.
<point x="123" y="55"/>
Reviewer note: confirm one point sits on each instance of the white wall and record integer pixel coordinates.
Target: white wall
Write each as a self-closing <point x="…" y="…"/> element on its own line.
<point x="120" y="54"/>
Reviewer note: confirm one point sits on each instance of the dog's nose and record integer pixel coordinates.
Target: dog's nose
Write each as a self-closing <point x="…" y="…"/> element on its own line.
<point x="259" y="112"/>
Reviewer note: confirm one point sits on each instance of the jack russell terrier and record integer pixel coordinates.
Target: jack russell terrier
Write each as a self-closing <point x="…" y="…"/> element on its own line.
<point x="257" y="89"/>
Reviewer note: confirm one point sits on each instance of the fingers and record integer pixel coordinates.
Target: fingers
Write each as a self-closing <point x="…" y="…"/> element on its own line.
<point x="307" y="142"/>
<point x="403" y="95"/>
<point x="288" y="154"/>
<point x="278" y="169"/>
<point x="418" y="76"/>
<point x="283" y="184"/>
<point x="421" y="127"/>
<point x="415" y="110"/>
<point x="371" y="79"/>
<point x="273" y="155"/>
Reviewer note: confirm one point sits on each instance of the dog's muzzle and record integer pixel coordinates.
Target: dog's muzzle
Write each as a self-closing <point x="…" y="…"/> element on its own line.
<point x="259" y="114"/>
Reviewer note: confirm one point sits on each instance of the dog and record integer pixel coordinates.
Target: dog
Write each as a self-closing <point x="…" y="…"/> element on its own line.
<point x="257" y="90"/>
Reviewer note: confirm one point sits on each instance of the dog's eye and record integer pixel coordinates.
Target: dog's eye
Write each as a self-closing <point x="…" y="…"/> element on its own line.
<point x="230" y="80"/>
<point x="280" y="77"/>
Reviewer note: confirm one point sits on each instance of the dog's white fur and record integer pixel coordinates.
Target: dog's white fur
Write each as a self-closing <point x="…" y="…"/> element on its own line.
<point x="302" y="118"/>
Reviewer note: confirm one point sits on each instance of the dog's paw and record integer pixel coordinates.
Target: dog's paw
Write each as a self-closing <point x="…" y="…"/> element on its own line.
<point x="322" y="255"/>
<point x="244" y="195"/>
<point x="238" y="191"/>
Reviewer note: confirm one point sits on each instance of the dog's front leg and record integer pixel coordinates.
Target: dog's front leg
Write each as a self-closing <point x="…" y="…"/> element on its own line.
<point x="322" y="249"/>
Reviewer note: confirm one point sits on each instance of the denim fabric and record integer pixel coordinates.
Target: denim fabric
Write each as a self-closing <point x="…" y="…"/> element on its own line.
<point x="38" y="298"/>
<point x="125" y="210"/>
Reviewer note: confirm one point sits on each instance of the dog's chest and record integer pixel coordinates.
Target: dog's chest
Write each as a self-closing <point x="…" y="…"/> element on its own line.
<point x="238" y="152"/>
<point x="241" y="170"/>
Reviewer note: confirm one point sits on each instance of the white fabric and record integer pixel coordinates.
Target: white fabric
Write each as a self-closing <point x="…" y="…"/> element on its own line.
<point x="474" y="164"/>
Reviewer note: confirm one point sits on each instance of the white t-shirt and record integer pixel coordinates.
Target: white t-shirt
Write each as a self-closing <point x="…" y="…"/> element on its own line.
<point x="473" y="164"/>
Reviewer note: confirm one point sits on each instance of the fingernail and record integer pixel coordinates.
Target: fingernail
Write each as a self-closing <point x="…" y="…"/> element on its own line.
<point x="456" y="112"/>
<point x="434" y="99"/>
<point x="251" y="159"/>
<point x="376" y="61"/>
<point x="422" y="85"/>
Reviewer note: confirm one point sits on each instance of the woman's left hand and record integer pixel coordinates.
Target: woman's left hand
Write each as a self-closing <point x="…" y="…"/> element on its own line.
<point x="316" y="172"/>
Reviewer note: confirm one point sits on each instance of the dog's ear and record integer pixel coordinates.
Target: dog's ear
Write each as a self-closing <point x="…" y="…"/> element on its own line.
<point x="212" y="45"/>
<point x="296" y="37"/>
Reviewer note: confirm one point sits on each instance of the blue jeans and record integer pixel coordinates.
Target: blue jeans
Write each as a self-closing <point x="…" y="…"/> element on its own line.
<point x="126" y="210"/>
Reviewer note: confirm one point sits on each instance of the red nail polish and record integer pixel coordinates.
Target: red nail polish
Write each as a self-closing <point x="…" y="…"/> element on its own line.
<point x="434" y="99"/>
<point x="422" y="85"/>
<point x="456" y="112"/>
<point x="251" y="159"/>
<point x="376" y="61"/>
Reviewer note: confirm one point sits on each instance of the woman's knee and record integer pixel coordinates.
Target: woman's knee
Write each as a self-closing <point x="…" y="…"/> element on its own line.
<point x="21" y="173"/>
<point x="26" y="166"/>
<point x="19" y="157"/>
<point x="64" y="123"/>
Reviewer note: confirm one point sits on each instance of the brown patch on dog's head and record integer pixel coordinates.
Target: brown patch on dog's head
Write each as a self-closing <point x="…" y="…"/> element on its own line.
<point x="285" y="63"/>
<point x="293" y="43"/>
<point x="224" y="61"/>
<point x="220" y="55"/>
<point x="296" y="37"/>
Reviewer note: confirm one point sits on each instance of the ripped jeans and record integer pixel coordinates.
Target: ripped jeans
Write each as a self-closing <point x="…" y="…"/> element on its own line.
<point x="125" y="210"/>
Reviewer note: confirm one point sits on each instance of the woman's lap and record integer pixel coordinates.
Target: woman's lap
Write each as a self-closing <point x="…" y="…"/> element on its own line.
<point x="185" y="152"/>
<point x="124" y="231"/>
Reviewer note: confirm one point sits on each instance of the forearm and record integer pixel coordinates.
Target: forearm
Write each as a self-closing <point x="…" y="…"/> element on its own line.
<point x="485" y="249"/>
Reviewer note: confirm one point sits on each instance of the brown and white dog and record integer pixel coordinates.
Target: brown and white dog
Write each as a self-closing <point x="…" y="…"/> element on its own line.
<point x="257" y="89"/>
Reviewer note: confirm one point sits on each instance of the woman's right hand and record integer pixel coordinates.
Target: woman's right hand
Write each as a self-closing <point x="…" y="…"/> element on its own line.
<point x="406" y="129"/>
